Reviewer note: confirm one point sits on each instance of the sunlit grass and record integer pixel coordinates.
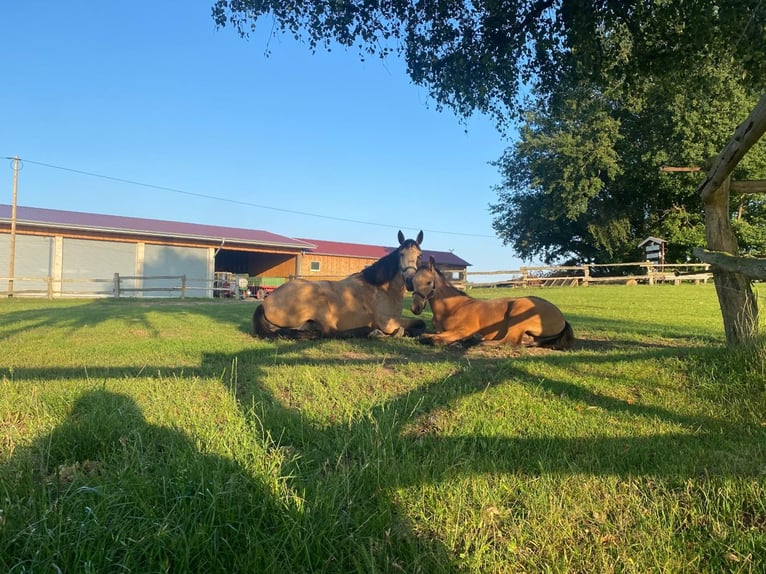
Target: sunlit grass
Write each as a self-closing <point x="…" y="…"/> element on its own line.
<point x="154" y="436"/>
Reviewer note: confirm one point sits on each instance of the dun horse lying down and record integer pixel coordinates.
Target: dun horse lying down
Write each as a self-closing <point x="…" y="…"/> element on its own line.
<point x="457" y="317"/>
<point x="365" y="304"/>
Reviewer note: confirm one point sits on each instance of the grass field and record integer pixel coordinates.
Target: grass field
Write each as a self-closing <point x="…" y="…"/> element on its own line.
<point x="159" y="436"/>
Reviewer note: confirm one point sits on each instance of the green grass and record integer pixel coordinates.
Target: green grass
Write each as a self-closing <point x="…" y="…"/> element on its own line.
<point x="159" y="436"/>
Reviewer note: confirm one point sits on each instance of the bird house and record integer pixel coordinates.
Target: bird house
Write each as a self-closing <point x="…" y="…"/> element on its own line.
<point x="654" y="250"/>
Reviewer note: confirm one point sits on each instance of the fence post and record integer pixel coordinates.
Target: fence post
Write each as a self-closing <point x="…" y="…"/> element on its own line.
<point x="116" y="286"/>
<point x="585" y="275"/>
<point x="650" y="273"/>
<point x="183" y="286"/>
<point x="523" y="276"/>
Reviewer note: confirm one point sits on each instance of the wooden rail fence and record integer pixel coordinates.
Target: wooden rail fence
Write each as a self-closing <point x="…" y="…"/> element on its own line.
<point x="582" y="275"/>
<point x="181" y="286"/>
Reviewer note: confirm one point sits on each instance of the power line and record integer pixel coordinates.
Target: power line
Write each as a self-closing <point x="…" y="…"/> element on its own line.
<point x="245" y="203"/>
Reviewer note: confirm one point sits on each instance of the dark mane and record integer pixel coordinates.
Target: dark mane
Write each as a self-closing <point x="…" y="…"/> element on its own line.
<point x="385" y="268"/>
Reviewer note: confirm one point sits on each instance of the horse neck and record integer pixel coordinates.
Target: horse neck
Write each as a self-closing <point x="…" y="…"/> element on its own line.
<point x="445" y="296"/>
<point x="384" y="270"/>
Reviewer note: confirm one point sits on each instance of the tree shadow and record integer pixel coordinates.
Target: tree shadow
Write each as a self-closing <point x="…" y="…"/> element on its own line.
<point x="345" y="472"/>
<point x="107" y="491"/>
<point x="398" y="443"/>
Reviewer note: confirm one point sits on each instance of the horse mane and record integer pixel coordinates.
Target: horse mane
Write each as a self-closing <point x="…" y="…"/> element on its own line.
<point x="385" y="268"/>
<point x="454" y="290"/>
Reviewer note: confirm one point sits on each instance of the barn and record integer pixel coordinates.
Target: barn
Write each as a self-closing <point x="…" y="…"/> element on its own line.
<point x="60" y="253"/>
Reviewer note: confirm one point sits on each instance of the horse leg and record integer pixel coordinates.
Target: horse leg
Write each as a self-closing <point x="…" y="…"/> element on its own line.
<point x="446" y="337"/>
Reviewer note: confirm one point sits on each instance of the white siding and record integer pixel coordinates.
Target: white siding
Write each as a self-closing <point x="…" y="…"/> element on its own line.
<point x="33" y="259"/>
<point x="94" y="263"/>
<point x="169" y="260"/>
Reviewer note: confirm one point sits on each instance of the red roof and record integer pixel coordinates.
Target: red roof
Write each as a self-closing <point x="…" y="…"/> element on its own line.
<point x="348" y="249"/>
<point x="376" y="252"/>
<point x="140" y="226"/>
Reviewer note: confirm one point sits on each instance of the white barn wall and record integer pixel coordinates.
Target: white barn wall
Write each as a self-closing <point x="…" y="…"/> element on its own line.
<point x="33" y="258"/>
<point x="89" y="259"/>
<point x="172" y="260"/>
<point x="86" y="267"/>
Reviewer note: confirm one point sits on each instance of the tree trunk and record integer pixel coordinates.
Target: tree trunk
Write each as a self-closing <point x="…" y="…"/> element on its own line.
<point x="735" y="296"/>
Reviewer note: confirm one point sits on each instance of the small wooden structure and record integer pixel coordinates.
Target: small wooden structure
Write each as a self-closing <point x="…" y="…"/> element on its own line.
<point x="654" y="251"/>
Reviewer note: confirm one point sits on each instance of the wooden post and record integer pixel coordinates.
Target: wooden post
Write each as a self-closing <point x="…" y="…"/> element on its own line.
<point x="650" y="273"/>
<point x="739" y="307"/>
<point x="12" y="260"/>
<point x="116" y="286"/>
<point x="183" y="286"/>
<point x="585" y="275"/>
<point x="524" y="273"/>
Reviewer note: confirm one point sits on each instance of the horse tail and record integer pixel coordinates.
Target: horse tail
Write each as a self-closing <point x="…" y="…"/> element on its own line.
<point x="262" y="327"/>
<point x="562" y="340"/>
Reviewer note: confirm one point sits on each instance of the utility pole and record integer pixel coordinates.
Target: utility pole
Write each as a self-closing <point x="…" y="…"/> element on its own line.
<point x="11" y="266"/>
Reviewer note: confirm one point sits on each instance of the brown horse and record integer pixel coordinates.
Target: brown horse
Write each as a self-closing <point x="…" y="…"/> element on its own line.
<point x="457" y="317"/>
<point x="368" y="303"/>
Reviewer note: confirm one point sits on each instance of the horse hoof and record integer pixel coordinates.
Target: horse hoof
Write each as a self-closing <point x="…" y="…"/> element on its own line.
<point x="376" y="334"/>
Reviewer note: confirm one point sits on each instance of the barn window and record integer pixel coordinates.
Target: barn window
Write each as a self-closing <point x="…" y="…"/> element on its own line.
<point x="314" y="266"/>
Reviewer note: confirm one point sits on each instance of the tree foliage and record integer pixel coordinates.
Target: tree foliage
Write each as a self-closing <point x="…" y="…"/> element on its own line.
<point x="479" y="55"/>
<point x="605" y="92"/>
<point x="590" y="164"/>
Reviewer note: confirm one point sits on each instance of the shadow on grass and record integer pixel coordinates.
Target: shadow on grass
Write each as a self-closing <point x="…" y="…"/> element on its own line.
<point x="106" y="491"/>
<point x="70" y="316"/>
<point x="345" y="473"/>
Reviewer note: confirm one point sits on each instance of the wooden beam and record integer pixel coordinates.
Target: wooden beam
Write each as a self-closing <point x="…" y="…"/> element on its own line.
<point x="673" y="168"/>
<point x="749" y="266"/>
<point x="748" y="186"/>
<point x="745" y="136"/>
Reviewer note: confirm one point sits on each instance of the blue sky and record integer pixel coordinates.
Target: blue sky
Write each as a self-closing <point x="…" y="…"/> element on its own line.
<point x="153" y="93"/>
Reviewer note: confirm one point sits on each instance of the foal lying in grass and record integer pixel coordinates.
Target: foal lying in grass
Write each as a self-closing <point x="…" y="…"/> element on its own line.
<point x="457" y="317"/>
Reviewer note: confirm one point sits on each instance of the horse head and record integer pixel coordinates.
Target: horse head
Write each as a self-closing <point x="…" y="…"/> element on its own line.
<point x="410" y="255"/>
<point x="423" y="286"/>
<point x="402" y="261"/>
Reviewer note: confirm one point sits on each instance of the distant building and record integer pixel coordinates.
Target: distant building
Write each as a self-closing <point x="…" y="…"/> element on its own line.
<point x="65" y="253"/>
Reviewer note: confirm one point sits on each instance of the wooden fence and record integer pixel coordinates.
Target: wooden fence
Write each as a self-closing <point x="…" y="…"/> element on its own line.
<point x="180" y="286"/>
<point x="584" y="275"/>
<point x="118" y="286"/>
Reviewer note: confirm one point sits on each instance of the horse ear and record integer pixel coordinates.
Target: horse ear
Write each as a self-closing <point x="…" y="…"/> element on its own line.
<point x="431" y="261"/>
<point x="401" y="237"/>
<point x="420" y="237"/>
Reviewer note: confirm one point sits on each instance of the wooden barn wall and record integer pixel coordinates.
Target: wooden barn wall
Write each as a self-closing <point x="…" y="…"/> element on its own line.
<point x="271" y="265"/>
<point x="332" y="266"/>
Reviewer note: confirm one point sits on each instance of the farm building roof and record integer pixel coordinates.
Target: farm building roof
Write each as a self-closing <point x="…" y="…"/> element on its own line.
<point x="76" y="220"/>
<point x="378" y="251"/>
<point x="35" y="216"/>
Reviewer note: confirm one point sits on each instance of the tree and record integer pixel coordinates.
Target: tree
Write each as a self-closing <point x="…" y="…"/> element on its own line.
<point x="480" y="55"/>
<point x="627" y="54"/>
<point x="588" y="162"/>
<point x="663" y="80"/>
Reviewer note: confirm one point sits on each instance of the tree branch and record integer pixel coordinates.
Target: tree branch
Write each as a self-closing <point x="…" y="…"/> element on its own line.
<point x="749" y="266"/>
<point x="745" y="136"/>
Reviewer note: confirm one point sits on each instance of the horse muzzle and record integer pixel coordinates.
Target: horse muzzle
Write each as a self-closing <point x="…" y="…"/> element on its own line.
<point x="407" y="274"/>
<point x="418" y="303"/>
